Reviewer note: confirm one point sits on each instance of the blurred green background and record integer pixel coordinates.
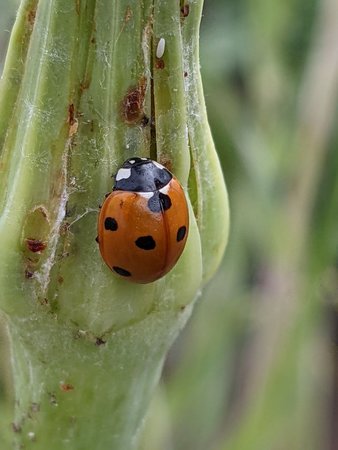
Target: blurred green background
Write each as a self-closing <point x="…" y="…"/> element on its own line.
<point x="256" y="366"/>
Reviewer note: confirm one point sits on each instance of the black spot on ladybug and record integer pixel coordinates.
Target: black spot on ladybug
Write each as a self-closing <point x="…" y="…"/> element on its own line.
<point x="159" y="202"/>
<point x="154" y="203"/>
<point x="110" y="224"/>
<point x="121" y="271"/>
<point x="165" y="201"/>
<point x="145" y="242"/>
<point x="181" y="233"/>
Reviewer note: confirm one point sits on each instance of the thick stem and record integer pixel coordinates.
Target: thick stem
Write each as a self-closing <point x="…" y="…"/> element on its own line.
<point x="87" y="348"/>
<point x="75" y="392"/>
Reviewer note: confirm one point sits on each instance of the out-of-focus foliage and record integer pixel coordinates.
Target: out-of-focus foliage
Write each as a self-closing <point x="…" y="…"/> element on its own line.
<point x="254" y="368"/>
<point x="7" y="16"/>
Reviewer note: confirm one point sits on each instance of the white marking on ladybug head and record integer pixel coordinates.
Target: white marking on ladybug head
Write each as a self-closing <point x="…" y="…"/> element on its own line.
<point x="165" y="189"/>
<point x="160" y="48"/>
<point x="144" y="159"/>
<point x="147" y="195"/>
<point x="122" y="174"/>
<point x="158" y="165"/>
<point x="132" y="161"/>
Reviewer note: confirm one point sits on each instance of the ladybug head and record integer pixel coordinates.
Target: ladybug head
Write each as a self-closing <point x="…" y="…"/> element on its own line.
<point x="141" y="175"/>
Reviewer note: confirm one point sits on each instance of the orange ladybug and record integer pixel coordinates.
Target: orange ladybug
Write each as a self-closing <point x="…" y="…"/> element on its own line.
<point x="144" y="222"/>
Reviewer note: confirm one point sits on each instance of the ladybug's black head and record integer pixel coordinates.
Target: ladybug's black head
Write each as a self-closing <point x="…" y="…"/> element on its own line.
<point x="141" y="175"/>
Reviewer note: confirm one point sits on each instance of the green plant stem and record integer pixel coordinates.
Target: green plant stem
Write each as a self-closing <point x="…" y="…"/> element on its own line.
<point x="87" y="347"/>
<point x="71" y="392"/>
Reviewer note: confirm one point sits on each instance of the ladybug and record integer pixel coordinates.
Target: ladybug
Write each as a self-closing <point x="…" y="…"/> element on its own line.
<point x="144" y="222"/>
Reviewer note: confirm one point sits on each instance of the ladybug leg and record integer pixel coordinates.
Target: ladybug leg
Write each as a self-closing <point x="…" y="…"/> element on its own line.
<point x="97" y="239"/>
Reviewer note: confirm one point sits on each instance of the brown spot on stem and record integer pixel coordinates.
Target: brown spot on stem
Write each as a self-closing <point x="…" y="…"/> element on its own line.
<point x="159" y="64"/>
<point x="71" y="114"/>
<point x="72" y="120"/>
<point x="185" y="9"/>
<point x="77" y="6"/>
<point x="133" y="103"/>
<point x="31" y="17"/>
<point x="185" y="74"/>
<point x="84" y="85"/>
<point x="35" y="245"/>
<point x="128" y="15"/>
<point x="66" y="387"/>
